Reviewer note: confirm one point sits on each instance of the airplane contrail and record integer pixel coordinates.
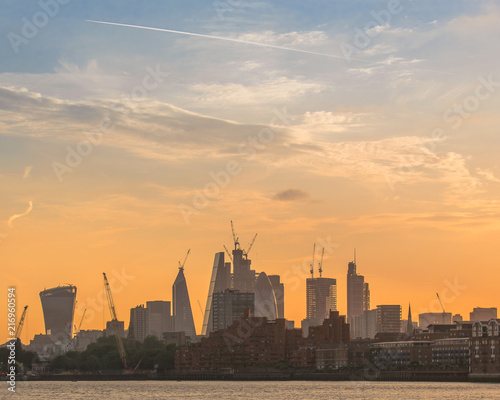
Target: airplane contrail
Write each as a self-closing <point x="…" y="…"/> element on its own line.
<point x="16" y="216"/>
<point x="227" y="39"/>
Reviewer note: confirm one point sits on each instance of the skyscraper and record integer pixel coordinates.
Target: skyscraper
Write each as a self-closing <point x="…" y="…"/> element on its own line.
<point x="183" y="315"/>
<point x="317" y="293"/>
<point x="220" y="281"/>
<point x="58" y="306"/>
<point x="138" y="325"/>
<point x="159" y="317"/>
<point x="279" y="293"/>
<point x="265" y="302"/>
<point x="331" y="300"/>
<point x="230" y="305"/>
<point x="243" y="275"/>
<point x="358" y="295"/>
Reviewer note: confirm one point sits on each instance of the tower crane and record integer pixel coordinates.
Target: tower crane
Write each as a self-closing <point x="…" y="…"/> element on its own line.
<point x="228" y="253"/>
<point x="81" y="321"/>
<point x="441" y="303"/>
<point x="114" y="321"/>
<point x="235" y="238"/>
<point x="245" y="253"/>
<point x="21" y="323"/>
<point x="321" y="263"/>
<point x="181" y="266"/>
<point x="312" y="264"/>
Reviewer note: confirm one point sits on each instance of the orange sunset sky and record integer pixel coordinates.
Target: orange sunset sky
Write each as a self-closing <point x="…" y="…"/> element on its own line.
<point x="122" y="148"/>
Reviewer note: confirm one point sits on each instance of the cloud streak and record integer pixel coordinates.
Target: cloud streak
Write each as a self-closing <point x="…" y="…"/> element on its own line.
<point x="17" y="216"/>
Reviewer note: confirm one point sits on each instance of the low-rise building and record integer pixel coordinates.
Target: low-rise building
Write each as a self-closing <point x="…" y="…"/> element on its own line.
<point x="388" y="355"/>
<point x="451" y="352"/>
<point x="485" y="349"/>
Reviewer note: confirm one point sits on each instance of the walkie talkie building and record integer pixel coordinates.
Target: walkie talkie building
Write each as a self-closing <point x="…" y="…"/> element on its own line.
<point x="58" y="306"/>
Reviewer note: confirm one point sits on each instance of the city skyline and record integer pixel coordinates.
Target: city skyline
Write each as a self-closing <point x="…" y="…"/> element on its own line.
<point x="349" y="124"/>
<point x="220" y="256"/>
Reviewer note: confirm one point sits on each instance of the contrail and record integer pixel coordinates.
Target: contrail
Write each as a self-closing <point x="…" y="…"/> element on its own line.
<point x="226" y="39"/>
<point x="16" y="216"/>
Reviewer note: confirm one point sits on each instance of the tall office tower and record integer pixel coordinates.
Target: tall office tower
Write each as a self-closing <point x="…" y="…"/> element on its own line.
<point x="366" y="296"/>
<point x="243" y="275"/>
<point x="317" y="292"/>
<point x="265" y="302"/>
<point x="220" y="281"/>
<point x="58" y="306"/>
<point x="183" y="315"/>
<point x="230" y="305"/>
<point x="358" y="295"/>
<point x="388" y="318"/>
<point x="331" y="300"/>
<point x="483" y="314"/>
<point x="279" y="294"/>
<point x="138" y="325"/>
<point x="159" y="318"/>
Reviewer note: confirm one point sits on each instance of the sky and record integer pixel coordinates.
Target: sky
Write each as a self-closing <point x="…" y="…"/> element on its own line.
<point x="350" y="124"/>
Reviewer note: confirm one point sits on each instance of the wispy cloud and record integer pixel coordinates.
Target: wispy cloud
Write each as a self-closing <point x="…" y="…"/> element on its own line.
<point x="17" y="216"/>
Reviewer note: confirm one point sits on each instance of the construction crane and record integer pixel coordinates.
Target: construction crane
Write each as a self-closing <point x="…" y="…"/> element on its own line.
<point x="114" y="321"/>
<point x="21" y="323"/>
<point x="312" y="264"/>
<point x="181" y="266"/>
<point x="228" y="253"/>
<point x="245" y="253"/>
<point x="321" y="263"/>
<point x="235" y="238"/>
<point x="440" y="302"/>
<point x="80" y="324"/>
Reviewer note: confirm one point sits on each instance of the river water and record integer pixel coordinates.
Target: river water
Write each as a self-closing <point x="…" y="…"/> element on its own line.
<point x="224" y="390"/>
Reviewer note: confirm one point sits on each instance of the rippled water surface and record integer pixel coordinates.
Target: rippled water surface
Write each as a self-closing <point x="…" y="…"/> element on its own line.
<point x="252" y="390"/>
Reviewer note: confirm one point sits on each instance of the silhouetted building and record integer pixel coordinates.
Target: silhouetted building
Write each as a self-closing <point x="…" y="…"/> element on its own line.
<point x="368" y="325"/>
<point x="425" y="319"/>
<point x="115" y="328"/>
<point x="183" y="315"/>
<point x="176" y="338"/>
<point x="317" y="293"/>
<point x="58" y="306"/>
<point x="409" y="323"/>
<point x="264" y="345"/>
<point x="243" y="275"/>
<point x="358" y="296"/>
<point x="388" y="318"/>
<point x="230" y="305"/>
<point x="159" y="318"/>
<point x="139" y="323"/>
<point x="265" y="302"/>
<point x="279" y="294"/>
<point x="86" y="337"/>
<point x="457" y="318"/>
<point x="331" y="300"/>
<point x="219" y="282"/>
<point x="334" y="329"/>
<point x="483" y="314"/>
